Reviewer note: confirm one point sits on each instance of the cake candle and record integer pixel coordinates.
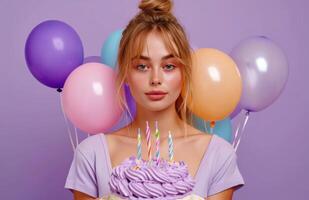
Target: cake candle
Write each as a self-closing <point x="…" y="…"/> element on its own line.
<point x="139" y="145"/>
<point x="170" y="146"/>
<point x="148" y="140"/>
<point x="157" y="134"/>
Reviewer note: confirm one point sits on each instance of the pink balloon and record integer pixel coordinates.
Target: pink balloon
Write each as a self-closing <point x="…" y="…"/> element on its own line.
<point x="89" y="98"/>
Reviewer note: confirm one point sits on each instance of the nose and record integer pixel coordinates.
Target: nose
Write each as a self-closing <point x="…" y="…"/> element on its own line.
<point x="155" y="82"/>
<point x="155" y="77"/>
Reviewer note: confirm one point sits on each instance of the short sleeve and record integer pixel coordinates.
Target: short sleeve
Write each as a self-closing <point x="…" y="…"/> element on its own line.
<point x="227" y="176"/>
<point x="81" y="176"/>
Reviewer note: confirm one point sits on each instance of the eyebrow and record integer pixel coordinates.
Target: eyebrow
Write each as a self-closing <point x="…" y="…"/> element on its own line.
<point x="147" y="58"/>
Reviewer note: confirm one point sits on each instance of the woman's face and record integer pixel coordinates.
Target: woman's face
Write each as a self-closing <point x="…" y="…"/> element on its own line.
<point x="155" y="70"/>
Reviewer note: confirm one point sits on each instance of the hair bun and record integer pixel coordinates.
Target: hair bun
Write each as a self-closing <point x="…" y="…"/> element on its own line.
<point x="156" y="5"/>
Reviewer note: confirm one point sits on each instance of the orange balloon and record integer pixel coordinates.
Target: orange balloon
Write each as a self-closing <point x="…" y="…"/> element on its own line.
<point x="217" y="84"/>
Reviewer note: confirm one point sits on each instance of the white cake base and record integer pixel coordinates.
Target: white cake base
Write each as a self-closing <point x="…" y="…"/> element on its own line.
<point x="190" y="197"/>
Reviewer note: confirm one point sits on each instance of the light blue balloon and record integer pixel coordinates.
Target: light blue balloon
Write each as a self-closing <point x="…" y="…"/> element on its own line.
<point x="223" y="128"/>
<point x="109" y="51"/>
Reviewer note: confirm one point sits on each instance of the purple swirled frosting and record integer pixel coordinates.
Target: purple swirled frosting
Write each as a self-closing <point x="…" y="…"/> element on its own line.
<point x="135" y="179"/>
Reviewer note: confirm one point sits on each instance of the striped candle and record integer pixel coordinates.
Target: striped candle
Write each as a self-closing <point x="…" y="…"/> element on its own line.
<point x="170" y="146"/>
<point x="139" y="145"/>
<point x="148" y="137"/>
<point x="157" y="134"/>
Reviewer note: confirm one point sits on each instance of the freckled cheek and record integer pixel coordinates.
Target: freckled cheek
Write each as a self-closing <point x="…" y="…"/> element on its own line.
<point x="135" y="81"/>
<point x="174" y="81"/>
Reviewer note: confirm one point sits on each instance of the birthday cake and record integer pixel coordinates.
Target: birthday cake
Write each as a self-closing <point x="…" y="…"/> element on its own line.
<point x="140" y="179"/>
<point x="155" y="178"/>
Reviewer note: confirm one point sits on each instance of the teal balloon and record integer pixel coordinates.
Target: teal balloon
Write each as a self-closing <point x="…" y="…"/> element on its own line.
<point x="109" y="51"/>
<point x="223" y="128"/>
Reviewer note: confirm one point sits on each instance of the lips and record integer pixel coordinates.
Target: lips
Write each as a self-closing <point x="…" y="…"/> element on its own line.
<point x="156" y="95"/>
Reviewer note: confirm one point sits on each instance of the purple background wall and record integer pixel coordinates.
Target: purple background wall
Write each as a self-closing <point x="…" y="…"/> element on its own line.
<point x="35" y="150"/>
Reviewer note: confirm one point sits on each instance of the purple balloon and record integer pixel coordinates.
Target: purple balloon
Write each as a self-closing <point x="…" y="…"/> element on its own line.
<point x="264" y="72"/>
<point x="53" y="50"/>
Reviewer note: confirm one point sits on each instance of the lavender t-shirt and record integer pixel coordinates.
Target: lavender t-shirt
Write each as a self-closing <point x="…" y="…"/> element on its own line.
<point x="91" y="168"/>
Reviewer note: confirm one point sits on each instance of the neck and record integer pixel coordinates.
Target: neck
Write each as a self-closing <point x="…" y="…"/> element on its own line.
<point x="168" y="120"/>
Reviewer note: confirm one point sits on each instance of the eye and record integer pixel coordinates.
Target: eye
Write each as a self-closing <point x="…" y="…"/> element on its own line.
<point x="169" y="67"/>
<point x="141" y="67"/>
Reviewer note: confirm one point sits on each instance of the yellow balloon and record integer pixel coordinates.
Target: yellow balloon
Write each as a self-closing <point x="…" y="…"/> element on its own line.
<point x="216" y="84"/>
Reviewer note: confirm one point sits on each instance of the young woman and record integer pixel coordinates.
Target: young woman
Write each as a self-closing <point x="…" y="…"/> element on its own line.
<point x="154" y="60"/>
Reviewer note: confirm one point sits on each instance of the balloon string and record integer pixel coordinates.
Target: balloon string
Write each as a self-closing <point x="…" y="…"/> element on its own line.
<point x="76" y="136"/>
<point x="242" y="130"/>
<point x="212" y="126"/>
<point x="67" y="124"/>
<point x="236" y="133"/>
<point x="205" y="126"/>
<point x="211" y="130"/>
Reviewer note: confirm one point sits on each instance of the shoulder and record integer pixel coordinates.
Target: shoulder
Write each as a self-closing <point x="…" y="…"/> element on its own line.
<point x="197" y="137"/>
<point x="222" y="146"/>
<point x="225" y="172"/>
<point x="219" y="146"/>
<point x="223" y="152"/>
<point x="90" y="145"/>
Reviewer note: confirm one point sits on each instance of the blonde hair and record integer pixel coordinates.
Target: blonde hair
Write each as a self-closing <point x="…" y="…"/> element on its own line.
<point x="156" y="15"/>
